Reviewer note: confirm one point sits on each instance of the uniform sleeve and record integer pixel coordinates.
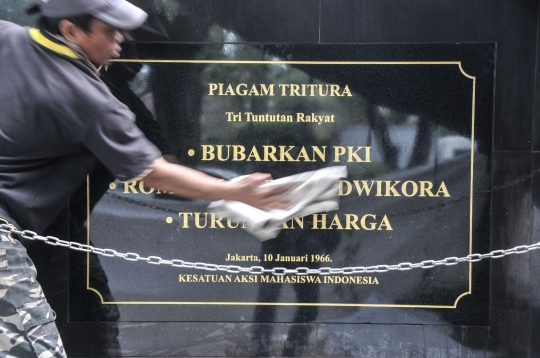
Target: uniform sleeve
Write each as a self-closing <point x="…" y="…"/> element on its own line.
<point x="117" y="142"/>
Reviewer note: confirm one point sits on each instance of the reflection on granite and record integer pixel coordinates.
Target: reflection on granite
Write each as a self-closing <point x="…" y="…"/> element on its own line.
<point x="513" y="211"/>
<point x="402" y="341"/>
<point x="365" y="341"/>
<point x="291" y="340"/>
<point x="535" y="262"/>
<point x="216" y="340"/>
<point x="196" y="21"/>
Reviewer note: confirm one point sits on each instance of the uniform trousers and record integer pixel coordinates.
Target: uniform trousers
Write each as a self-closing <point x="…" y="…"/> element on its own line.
<point x="27" y="327"/>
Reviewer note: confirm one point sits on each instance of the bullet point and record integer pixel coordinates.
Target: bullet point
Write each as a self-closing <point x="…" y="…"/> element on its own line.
<point x="191" y="152"/>
<point x="112" y="185"/>
<point x="169" y="220"/>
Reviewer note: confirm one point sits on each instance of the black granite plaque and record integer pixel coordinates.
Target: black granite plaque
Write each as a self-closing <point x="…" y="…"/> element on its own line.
<point x="412" y="123"/>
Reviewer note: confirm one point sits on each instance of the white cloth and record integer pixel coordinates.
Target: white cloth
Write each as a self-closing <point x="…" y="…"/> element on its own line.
<point x="311" y="192"/>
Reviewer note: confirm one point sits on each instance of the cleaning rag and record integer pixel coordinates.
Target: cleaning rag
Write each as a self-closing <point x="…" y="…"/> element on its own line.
<point x="311" y="192"/>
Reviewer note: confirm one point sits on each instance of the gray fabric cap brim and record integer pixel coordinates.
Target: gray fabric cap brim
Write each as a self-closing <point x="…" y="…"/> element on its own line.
<point x="124" y="17"/>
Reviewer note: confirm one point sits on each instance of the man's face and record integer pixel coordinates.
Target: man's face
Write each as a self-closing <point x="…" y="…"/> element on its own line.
<point x="101" y="43"/>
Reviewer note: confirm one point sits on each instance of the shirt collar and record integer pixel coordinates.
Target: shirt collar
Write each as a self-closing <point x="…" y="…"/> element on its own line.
<point x="61" y="49"/>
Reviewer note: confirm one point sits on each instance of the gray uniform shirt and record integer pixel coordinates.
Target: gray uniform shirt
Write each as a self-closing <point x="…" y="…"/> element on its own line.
<point x="56" y="118"/>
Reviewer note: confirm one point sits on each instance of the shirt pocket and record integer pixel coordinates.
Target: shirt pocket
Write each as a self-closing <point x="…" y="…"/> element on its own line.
<point x="35" y="313"/>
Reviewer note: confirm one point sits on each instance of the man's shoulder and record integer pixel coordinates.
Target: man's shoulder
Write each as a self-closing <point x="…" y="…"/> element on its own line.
<point x="12" y="36"/>
<point x="88" y="89"/>
<point x="84" y="95"/>
<point x="7" y="25"/>
<point x="10" y="29"/>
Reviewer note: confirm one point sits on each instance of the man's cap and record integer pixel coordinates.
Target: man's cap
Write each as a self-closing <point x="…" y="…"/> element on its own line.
<point x="116" y="13"/>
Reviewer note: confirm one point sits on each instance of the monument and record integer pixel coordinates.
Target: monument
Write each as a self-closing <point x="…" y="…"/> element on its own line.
<point x="417" y="184"/>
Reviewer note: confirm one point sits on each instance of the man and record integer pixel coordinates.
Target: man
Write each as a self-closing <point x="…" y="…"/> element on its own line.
<point x="57" y="118"/>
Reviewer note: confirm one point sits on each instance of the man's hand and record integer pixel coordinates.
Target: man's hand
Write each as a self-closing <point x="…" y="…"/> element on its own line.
<point x="250" y="191"/>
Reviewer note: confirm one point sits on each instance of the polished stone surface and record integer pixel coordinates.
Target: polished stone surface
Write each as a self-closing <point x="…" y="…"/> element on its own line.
<point x="290" y="340"/>
<point x="258" y="20"/>
<point x="416" y="118"/>
<point x="536" y="101"/>
<point x="534" y="299"/>
<point x="513" y="217"/>
<point x="513" y="25"/>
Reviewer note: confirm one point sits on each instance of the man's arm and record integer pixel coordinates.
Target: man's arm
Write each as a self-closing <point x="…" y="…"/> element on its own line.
<point x="190" y="183"/>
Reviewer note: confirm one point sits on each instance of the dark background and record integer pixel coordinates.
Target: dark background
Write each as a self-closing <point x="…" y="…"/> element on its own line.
<point x="515" y="298"/>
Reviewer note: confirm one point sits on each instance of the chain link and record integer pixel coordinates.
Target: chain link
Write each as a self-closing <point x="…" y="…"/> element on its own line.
<point x="258" y="270"/>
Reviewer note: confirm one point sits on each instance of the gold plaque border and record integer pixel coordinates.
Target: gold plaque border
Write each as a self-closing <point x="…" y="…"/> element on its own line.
<point x="381" y="63"/>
